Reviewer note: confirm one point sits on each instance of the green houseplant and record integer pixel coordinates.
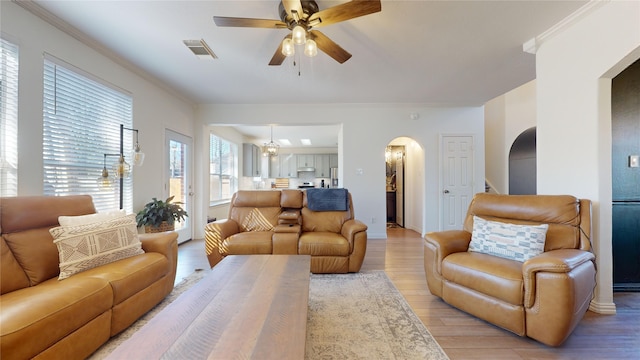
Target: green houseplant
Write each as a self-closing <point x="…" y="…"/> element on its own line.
<point x="158" y="215"/>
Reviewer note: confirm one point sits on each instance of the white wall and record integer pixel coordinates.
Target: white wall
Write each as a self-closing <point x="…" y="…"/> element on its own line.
<point x="506" y="117"/>
<point x="574" y="71"/>
<point x="366" y="130"/>
<point x="154" y="109"/>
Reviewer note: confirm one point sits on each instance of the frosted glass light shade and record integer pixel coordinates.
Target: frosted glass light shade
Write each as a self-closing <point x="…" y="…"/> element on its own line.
<point x="310" y="48"/>
<point x="287" y="47"/>
<point x="299" y="35"/>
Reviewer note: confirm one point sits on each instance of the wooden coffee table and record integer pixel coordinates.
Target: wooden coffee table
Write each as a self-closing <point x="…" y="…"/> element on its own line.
<point x="248" y="307"/>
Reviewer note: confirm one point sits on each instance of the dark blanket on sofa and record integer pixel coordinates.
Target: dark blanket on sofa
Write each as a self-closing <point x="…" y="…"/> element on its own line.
<point x="328" y="199"/>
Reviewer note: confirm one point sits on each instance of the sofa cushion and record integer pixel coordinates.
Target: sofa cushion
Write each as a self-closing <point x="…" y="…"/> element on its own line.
<point x="247" y="243"/>
<point x="35" y="252"/>
<point x="256" y="221"/>
<point x="323" y="221"/>
<point x="131" y="275"/>
<point x="36" y="317"/>
<point x="487" y="274"/>
<point x="83" y="247"/>
<point x="509" y="241"/>
<point x="323" y="244"/>
<point x="12" y="277"/>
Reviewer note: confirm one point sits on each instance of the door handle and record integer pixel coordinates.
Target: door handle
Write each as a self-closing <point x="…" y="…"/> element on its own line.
<point x="446" y="191"/>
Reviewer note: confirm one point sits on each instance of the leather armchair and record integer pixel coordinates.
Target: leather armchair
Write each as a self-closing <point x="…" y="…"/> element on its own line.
<point x="544" y="297"/>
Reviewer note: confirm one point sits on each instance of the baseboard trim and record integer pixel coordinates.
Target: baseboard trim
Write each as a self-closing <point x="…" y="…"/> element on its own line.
<point x="602" y="308"/>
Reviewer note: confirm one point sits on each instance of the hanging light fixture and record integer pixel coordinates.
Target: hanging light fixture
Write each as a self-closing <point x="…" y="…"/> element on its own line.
<point x="299" y="37"/>
<point x="270" y="149"/>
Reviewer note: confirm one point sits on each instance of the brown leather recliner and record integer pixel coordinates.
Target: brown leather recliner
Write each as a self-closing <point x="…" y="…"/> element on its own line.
<point x="544" y="297"/>
<point x="279" y="222"/>
<point x="43" y="317"/>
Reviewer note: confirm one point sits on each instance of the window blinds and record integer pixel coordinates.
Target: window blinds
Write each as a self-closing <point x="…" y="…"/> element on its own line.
<point x="82" y="117"/>
<point x="8" y="119"/>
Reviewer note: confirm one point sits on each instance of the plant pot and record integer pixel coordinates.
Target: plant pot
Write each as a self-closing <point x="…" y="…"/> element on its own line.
<point x="164" y="226"/>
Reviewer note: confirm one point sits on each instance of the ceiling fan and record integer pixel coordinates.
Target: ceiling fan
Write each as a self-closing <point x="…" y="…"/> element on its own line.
<point x="302" y="17"/>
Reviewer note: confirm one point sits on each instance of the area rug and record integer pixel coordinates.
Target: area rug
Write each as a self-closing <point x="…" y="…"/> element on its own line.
<point x="364" y="316"/>
<point x="351" y="316"/>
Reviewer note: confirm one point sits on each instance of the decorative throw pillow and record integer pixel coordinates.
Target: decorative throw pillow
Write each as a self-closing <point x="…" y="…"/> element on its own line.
<point x="256" y="221"/>
<point x="509" y="241"/>
<point x="86" y="246"/>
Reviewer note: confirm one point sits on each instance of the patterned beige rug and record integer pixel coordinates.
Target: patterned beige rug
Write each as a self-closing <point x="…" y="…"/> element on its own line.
<point x="351" y="316"/>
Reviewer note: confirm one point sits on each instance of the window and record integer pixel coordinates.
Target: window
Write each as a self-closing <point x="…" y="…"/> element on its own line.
<point x="8" y="119"/>
<point x="223" y="169"/>
<point x="82" y="117"/>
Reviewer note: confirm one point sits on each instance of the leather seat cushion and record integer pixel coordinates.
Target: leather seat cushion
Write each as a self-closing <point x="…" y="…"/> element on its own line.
<point x="486" y="274"/>
<point x="323" y="244"/>
<point x="55" y="308"/>
<point x="247" y="243"/>
<point x="131" y="275"/>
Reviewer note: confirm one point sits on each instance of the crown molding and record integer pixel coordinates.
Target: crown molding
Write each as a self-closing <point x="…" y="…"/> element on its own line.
<point x="72" y="31"/>
<point x="532" y="45"/>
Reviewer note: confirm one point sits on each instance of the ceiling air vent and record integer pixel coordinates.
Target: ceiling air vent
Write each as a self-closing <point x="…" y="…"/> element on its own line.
<point x="200" y="48"/>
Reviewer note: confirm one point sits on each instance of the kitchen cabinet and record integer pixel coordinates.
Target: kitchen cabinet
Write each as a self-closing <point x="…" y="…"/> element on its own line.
<point x="306" y="160"/>
<point x="274" y="167"/>
<point x="251" y="161"/>
<point x="323" y="169"/>
<point x="333" y="161"/>
<point x="288" y="165"/>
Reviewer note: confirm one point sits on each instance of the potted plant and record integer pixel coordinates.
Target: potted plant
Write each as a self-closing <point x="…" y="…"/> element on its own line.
<point x="158" y="215"/>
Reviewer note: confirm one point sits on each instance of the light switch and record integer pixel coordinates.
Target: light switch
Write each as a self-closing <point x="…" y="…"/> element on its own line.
<point x="634" y="161"/>
<point x="359" y="171"/>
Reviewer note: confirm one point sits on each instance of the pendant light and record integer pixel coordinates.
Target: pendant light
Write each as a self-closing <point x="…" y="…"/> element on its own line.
<point x="270" y="149"/>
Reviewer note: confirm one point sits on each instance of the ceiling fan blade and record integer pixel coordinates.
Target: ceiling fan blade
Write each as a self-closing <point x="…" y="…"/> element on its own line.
<point x="278" y="56"/>
<point x="293" y="6"/>
<point x="343" y="12"/>
<point x="329" y="47"/>
<point x="248" y="22"/>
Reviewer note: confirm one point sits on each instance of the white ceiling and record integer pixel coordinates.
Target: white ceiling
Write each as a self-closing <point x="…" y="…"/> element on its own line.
<point x="419" y="51"/>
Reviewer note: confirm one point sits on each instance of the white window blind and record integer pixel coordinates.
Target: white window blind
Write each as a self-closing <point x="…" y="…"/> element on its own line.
<point x="223" y="169"/>
<point x="82" y="117"/>
<point x="8" y="119"/>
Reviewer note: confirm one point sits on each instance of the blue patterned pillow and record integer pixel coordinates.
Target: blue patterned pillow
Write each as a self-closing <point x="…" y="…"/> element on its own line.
<point x="509" y="241"/>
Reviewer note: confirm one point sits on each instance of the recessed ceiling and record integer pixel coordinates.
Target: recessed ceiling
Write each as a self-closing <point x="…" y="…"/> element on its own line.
<point x="428" y="52"/>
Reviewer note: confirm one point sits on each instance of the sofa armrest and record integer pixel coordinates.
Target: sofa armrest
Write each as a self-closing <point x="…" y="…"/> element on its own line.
<point x="350" y="228"/>
<point x="437" y="246"/>
<point x="555" y="261"/>
<point x="165" y="243"/>
<point x="445" y="243"/>
<point x="214" y="234"/>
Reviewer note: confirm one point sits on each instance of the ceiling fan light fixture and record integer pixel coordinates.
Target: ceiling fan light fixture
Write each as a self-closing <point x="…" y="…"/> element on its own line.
<point x="288" y="49"/>
<point x="299" y="35"/>
<point x="310" y="48"/>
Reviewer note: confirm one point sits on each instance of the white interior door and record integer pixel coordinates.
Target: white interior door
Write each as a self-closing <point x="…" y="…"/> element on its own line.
<point x="178" y="178"/>
<point x="457" y="180"/>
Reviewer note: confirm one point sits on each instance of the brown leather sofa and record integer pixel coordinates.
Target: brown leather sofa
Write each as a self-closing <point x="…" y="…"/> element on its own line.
<point x="336" y="241"/>
<point x="43" y="317"/>
<point x="544" y="297"/>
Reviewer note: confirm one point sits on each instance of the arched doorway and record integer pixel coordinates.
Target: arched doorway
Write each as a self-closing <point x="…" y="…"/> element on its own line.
<point x="522" y="164"/>
<point x="394" y="158"/>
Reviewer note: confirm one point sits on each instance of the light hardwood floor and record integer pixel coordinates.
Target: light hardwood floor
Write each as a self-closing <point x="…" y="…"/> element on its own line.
<point x="463" y="336"/>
